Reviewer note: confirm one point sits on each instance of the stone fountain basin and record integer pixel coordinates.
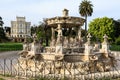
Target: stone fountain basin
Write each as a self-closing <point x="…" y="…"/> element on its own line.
<point x="48" y="56"/>
<point x="77" y="57"/>
<point x="74" y="57"/>
<point x="65" y="57"/>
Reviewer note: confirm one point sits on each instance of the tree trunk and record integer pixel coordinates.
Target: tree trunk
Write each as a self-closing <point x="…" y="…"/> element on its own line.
<point x="85" y="28"/>
<point x="86" y="24"/>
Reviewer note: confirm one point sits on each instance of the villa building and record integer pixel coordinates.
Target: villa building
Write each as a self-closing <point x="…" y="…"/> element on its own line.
<point x="20" y="29"/>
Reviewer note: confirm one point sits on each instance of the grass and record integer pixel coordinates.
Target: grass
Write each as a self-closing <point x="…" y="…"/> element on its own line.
<point x="50" y="78"/>
<point x="7" y="77"/>
<point x="10" y="46"/>
<point x="2" y="79"/>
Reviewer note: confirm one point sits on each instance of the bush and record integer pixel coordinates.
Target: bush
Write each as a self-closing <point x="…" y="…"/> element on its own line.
<point x="115" y="47"/>
<point x="10" y="46"/>
<point x="117" y="41"/>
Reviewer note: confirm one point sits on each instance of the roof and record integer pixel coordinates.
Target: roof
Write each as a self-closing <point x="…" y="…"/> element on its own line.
<point x="66" y="21"/>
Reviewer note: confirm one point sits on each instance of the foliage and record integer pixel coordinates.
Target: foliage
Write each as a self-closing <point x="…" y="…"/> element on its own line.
<point x="117" y="41"/>
<point x="10" y="46"/>
<point x="2" y="34"/>
<point x="7" y="29"/>
<point x="100" y="26"/>
<point x="42" y="31"/>
<point x="85" y="9"/>
<point x="1" y="22"/>
<point x="117" y="28"/>
<point x="33" y="29"/>
<point x="2" y="79"/>
<point x="115" y="47"/>
<point x="3" y="37"/>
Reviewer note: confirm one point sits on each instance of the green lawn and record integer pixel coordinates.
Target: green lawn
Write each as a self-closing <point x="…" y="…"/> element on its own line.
<point x="10" y="46"/>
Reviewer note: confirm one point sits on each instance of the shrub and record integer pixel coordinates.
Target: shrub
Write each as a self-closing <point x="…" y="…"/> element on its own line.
<point x="117" y="41"/>
<point x="10" y="46"/>
<point x="115" y="47"/>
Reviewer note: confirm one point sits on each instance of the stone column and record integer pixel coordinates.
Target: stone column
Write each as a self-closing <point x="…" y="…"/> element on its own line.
<point x="88" y="48"/>
<point x="53" y="33"/>
<point x="80" y="42"/>
<point x="53" y="37"/>
<point x="79" y="33"/>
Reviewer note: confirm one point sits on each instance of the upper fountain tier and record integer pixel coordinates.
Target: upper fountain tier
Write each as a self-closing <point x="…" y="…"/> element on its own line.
<point x="65" y="20"/>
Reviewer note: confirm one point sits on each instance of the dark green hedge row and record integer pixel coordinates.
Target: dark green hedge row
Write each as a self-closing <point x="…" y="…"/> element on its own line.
<point x="19" y="46"/>
<point x="115" y="47"/>
<point x="10" y="46"/>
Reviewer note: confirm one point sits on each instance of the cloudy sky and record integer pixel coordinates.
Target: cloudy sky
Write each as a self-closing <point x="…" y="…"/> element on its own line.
<point x="36" y="10"/>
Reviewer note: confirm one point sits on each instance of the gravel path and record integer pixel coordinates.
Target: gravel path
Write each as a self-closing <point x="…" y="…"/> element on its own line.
<point x="9" y="54"/>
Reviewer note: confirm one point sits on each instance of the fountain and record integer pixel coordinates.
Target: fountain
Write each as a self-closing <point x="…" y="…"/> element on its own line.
<point x="68" y="50"/>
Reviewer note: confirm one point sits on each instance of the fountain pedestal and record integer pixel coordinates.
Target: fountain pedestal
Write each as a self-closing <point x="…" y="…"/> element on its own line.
<point x="105" y="46"/>
<point x="88" y="49"/>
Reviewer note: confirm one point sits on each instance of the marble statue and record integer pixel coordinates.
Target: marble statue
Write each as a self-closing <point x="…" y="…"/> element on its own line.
<point x="59" y="36"/>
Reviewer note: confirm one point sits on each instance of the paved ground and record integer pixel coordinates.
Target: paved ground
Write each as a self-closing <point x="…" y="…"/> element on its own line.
<point x="9" y="54"/>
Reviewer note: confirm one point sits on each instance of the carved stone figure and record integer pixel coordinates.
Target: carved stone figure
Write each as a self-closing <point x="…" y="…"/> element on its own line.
<point x="59" y="36"/>
<point x="66" y="44"/>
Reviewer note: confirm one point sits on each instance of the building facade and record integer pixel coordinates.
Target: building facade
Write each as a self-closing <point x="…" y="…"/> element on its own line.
<point x="20" y="29"/>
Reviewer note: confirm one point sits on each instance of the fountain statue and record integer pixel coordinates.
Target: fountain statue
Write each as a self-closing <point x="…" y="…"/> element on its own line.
<point x="70" y="49"/>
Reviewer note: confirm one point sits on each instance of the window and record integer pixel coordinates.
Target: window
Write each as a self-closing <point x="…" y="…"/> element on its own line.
<point x="20" y="35"/>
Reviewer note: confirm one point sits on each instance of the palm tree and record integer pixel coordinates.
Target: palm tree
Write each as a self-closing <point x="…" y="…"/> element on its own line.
<point x="85" y="10"/>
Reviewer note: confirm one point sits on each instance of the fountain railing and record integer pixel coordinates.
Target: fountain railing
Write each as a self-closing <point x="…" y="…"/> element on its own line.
<point x="76" y="70"/>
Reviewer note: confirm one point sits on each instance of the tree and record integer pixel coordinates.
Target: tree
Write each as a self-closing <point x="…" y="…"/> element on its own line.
<point x="7" y="29"/>
<point x="38" y="30"/>
<point x="1" y="22"/>
<point x="42" y="31"/>
<point x="2" y="33"/>
<point x="85" y="10"/>
<point x="100" y="26"/>
<point x="117" y="28"/>
<point x="33" y="30"/>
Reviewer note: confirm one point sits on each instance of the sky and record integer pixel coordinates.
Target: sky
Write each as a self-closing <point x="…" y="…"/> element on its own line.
<point x="36" y="10"/>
